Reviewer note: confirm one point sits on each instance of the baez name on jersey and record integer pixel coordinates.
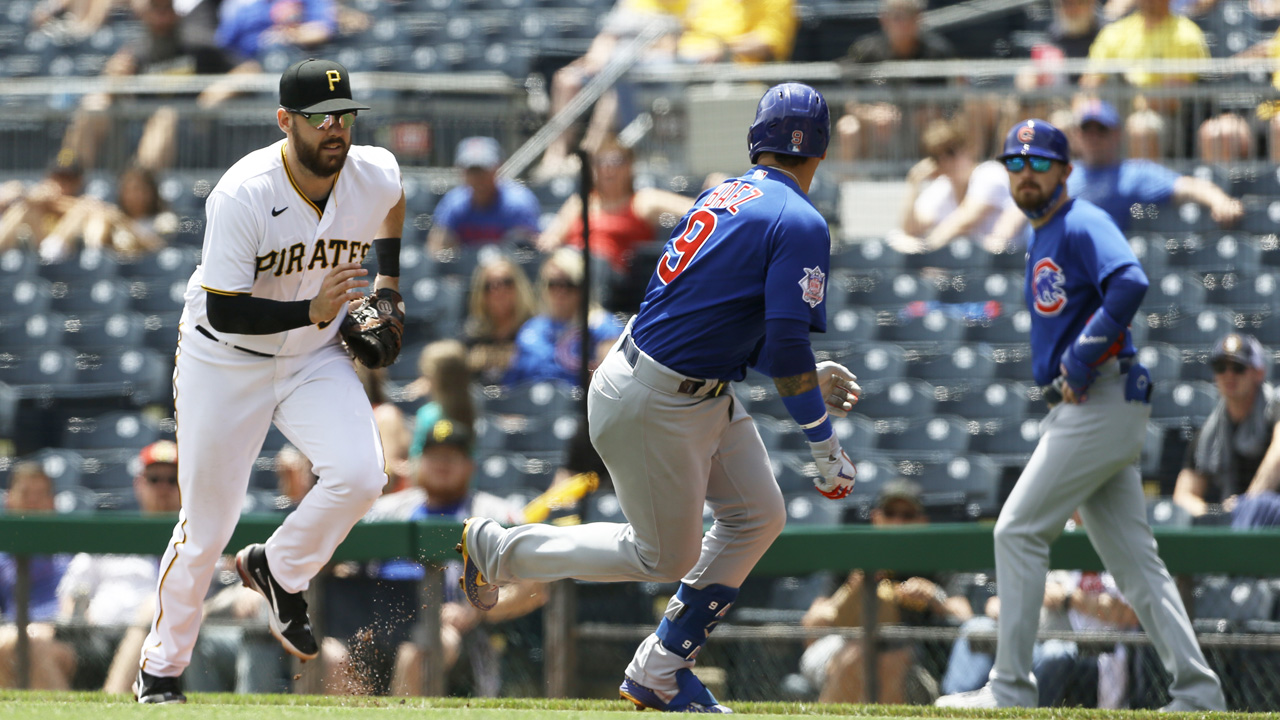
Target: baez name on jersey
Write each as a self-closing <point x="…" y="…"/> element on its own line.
<point x="325" y="253"/>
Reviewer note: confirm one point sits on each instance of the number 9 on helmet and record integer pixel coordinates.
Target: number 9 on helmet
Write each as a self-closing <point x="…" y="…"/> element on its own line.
<point x="791" y="119"/>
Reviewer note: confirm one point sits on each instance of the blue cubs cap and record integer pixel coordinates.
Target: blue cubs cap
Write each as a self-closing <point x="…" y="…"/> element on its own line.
<point x="1101" y="112"/>
<point x="1036" y="138"/>
<point x="791" y="119"/>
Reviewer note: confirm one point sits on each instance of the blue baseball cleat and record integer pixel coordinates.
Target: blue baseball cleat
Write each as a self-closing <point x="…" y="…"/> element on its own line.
<point x="692" y="697"/>
<point x="479" y="593"/>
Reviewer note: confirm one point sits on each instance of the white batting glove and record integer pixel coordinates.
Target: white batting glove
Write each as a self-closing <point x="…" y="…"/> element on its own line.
<point x="840" y="389"/>
<point x="835" y="470"/>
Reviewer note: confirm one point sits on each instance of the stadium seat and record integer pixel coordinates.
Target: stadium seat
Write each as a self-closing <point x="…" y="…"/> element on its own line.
<point x="873" y="361"/>
<point x="26" y="296"/>
<point x="119" y="429"/>
<point x="1202" y="327"/>
<point x="1163" y="511"/>
<point x="603" y="507"/>
<point x="64" y="467"/>
<point x="1189" y="401"/>
<point x="966" y="486"/>
<point x="1013" y="362"/>
<point x="1187" y="217"/>
<point x="520" y="433"/>
<point x="1163" y="361"/>
<point x="1225" y="604"/>
<point x="140" y="374"/>
<point x="541" y="399"/>
<point x="969" y="362"/>
<point x="1265" y="326"/>
<point x="873" y="473"/>
<point x="1264" y="181"/>
<point x="883" y="289"/>
<point x="1013" y="327"/>
<point x="86" y="265"/>
<point x="1007" y="439"/>
<point x="761" y="398"/>
<point x="870" y="254"/>
<point x="856" y="432"/>
<point x="40" y="330"/>
<point x="99" y="332"/>
<point x="1176" y="289"/>
<point x="1150" y="250"/>
<point x="16" y="264"/>
<point x="807" y="507"/>
<point x="51" y="367"/>
<point x="173" y="264"/>
<point x="934" y="327"/>
<point x="959" y="254"/>
<point x="941" y="434"/>
<point x="157" y="296"/>
<point x="446" y="298"/>
<point x="781" y="435"/>
<point x="846" y="327"/>
<point x="504" y="473"/>
<point x="794" y="470"/>
<point x="273" y="441"/>
<point x="1261" y="215"/>
<point x="979" y="287"/>
<point x="161" y="332"/>
<point x="896" y="398"/>
<point x="995" y="400"/>
<point x="85" y="297"/>
<point x="1237" y="291"/>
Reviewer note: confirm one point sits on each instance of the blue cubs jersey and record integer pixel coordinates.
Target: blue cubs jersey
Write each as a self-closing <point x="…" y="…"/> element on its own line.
<point x="750" y="249"/>
<point x="1116" y="188"/>
<point x="1068" y="259"/>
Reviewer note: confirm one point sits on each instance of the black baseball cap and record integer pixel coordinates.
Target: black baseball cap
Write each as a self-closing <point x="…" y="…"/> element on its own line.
<point x="317" y="86"/>
<point x="449" y="432"/>
<point x="1244" y="349"/>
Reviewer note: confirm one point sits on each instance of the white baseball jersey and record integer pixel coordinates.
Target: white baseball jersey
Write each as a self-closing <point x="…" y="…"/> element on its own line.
<point x="265" y="238"/>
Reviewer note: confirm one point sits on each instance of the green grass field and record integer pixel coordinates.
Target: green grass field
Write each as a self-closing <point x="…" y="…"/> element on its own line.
<point x="98" y="706"/>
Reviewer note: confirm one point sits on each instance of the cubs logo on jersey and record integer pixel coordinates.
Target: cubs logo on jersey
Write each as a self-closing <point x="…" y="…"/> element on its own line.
<point x="814" y="285"/>
<point x="1048" y="296"/>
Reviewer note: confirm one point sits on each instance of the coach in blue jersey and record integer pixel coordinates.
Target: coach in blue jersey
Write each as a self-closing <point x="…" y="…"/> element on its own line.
<point x="1083" y="286"/>
<point x="742" y="283"/>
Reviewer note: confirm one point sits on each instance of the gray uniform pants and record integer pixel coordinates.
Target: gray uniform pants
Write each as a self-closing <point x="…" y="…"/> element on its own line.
<point x="668" y="453"/>
<point x="1085" y="460"/>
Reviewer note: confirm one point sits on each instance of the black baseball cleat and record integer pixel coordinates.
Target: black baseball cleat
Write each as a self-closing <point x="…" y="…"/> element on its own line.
<point x="288" y="617"/>
<point x="157" y="690"/>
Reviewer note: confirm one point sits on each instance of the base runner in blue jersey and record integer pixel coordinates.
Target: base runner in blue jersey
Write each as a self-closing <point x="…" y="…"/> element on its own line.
<point x="742" y="284"/>
<point x="1083" y="287"/>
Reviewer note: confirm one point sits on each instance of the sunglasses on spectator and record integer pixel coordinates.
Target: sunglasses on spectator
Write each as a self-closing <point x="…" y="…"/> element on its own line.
<point x="562" y="285"/>
<point x="1038" y="164"/>
<point x="497" y="283"/>
<point x="161" y="478"/>
<point x="1222" y="366"/>
<point x="324" y="121"/>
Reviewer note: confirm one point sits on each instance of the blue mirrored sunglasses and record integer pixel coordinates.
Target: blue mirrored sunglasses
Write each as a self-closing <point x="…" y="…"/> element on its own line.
<point x="1038" y="164"/>
<point x="323" y="121"/>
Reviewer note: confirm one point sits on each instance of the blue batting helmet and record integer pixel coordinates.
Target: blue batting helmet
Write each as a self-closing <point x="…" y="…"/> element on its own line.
<point x="792" y="119"/>
<point x="1036" y="138"/>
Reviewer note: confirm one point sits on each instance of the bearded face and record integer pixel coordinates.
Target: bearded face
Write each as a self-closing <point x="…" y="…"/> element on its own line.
<point x="321" y="152"/>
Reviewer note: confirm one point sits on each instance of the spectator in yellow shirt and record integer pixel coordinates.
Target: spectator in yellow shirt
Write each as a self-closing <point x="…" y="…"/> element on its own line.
<point x="1151" y="33"/>
<point x="744" y="31"/>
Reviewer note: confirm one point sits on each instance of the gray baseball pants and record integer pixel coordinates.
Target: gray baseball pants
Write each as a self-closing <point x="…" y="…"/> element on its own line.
<point x="668" y="453"/>
<point x="1085" y="460"/>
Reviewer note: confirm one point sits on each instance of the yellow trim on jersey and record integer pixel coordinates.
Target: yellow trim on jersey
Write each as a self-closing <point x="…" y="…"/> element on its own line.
<point x="183" y="526"/>
<point x="294" y="183"/>
<point x="228" y="293"/>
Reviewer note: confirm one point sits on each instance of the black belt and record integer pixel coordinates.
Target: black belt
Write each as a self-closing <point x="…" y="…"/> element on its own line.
<point x="200" y="329"/>
<point x="688" y="387"/>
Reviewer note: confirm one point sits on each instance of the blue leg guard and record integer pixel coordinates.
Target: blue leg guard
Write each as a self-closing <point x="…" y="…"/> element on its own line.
<point x="691" y="617"/>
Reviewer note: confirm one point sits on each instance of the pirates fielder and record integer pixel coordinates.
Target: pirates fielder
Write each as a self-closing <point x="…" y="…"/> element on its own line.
<point x="287" y="228"/>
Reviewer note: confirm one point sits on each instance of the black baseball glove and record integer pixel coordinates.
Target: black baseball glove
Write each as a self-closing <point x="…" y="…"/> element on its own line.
<point x="373" y="329"/>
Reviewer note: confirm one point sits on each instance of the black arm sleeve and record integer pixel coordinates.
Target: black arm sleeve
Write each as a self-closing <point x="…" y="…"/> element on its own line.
<point x="249" y="315"/>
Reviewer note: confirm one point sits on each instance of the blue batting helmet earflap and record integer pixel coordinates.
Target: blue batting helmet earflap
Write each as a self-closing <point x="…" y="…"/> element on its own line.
<point x="792" y="119"/>
<point x="1036" y="138"/>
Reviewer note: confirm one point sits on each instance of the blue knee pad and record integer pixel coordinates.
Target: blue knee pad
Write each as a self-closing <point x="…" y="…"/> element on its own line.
<point x="696" y="613"/>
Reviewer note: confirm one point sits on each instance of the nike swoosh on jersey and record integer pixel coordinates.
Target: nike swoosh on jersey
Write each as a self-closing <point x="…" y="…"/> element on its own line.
<point x="275" y="212"/>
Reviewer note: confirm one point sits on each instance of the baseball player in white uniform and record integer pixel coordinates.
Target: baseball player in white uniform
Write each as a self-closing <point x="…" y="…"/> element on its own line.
<point x="287" y="228"/>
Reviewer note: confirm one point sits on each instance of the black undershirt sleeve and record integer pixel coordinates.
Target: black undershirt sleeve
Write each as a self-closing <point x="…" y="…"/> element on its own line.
<point x="249" y="315"/>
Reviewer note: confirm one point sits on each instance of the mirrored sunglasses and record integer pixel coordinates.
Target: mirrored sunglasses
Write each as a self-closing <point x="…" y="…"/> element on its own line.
<point x="323" y="121"/>
<point x="1038" y="164"/>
